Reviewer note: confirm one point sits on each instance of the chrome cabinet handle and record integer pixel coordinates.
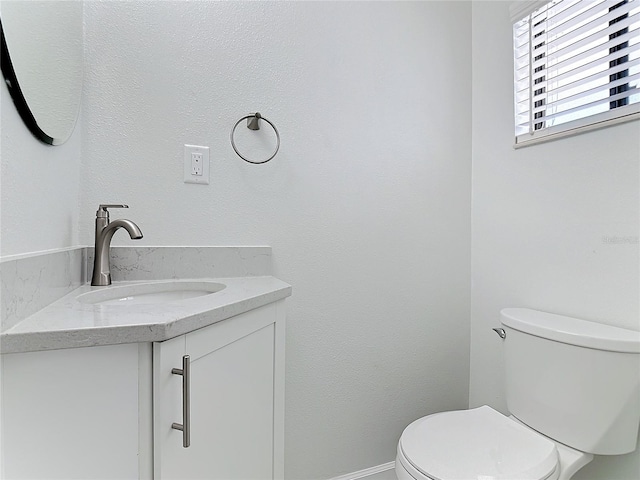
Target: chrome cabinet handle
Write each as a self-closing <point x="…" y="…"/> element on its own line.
<point x="185" y="426"/>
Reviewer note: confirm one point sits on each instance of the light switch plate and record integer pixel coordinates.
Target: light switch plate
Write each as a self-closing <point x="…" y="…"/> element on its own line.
<point x="196" y="164"/>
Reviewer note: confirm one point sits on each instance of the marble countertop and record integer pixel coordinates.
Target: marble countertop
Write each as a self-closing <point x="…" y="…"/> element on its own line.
<point x="68" y="323"/>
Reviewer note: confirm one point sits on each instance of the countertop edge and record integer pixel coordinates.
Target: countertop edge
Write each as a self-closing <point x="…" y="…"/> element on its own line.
<point x="24" y="342"/>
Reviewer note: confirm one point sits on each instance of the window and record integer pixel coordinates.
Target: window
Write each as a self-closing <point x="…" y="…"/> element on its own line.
<point x="576" y="66"/>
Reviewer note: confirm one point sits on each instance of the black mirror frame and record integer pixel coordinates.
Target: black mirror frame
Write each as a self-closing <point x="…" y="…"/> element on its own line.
<point x="17" y="96"/>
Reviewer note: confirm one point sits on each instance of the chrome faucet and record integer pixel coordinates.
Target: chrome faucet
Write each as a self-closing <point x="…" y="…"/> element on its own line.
<point x="104" y="233"/>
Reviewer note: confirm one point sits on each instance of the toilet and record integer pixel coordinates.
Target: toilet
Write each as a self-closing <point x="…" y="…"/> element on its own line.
<point x="573" y="391"/>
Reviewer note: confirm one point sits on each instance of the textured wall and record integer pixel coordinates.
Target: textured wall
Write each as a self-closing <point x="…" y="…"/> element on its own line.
<point x="367" y="205"/>
<point x="544" y="224"/>
<point x="39" y="187"/>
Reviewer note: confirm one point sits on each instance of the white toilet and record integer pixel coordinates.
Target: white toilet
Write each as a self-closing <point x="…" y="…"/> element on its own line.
<point x="573" y="389"/>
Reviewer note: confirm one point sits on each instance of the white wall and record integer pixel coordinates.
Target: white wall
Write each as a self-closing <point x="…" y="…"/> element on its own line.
<point x="367" y="205"/>
<point x="39" y="187"/>
<point x="542" y="217"/>
<point x="371" y="185"/>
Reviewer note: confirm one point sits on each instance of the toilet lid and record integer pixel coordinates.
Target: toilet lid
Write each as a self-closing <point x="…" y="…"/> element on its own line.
<point x="478" y="444"/>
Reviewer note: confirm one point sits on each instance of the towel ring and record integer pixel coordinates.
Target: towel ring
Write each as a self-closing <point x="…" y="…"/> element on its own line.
<point x="253" y="124"/>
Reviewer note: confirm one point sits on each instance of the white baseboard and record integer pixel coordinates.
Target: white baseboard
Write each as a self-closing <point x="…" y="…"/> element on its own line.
<point x="367" y="472"/>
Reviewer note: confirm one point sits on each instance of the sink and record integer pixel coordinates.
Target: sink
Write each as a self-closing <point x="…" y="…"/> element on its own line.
<point x="152" y="293"/>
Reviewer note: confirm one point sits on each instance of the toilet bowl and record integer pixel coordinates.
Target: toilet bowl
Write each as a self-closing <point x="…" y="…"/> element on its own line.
<point x="482" y="444"/>
<point x="566" y="406"/>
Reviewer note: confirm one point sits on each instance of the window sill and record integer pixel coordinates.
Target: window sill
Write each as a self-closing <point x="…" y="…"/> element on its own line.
<point x="577" y="127"/>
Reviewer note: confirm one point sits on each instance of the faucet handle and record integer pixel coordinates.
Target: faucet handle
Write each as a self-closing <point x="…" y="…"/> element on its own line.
<point x="104" y="213"/>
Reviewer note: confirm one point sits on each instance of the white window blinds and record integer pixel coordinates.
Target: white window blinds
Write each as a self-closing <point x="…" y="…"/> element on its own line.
<point x="577" y="65"/>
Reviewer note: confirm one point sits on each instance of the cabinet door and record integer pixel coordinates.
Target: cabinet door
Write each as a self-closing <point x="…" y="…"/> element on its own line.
<point x="70" y="414"/>
<point x="232" y="400"/>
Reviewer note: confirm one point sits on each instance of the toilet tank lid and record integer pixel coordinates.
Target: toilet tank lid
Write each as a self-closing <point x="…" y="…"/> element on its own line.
<point x="573" y="331"/>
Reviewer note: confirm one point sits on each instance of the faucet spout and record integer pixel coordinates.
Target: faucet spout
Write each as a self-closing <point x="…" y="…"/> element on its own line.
<point x="134" y="231"/>
<point x="104" y="233"/>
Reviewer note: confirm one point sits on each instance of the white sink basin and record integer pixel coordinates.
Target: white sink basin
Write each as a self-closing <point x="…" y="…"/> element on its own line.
<point x="152" y="293"/>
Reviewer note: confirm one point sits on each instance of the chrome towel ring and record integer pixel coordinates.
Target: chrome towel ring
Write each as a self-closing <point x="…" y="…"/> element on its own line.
<point x="253" y="123"/>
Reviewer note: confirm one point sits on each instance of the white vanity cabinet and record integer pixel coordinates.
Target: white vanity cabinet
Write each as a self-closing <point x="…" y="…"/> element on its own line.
<point x="235" y="400"/>
<point x="70" y="414"/>
<point x="107" y="412"/>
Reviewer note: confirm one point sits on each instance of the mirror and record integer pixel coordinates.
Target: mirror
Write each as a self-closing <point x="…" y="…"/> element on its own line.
<point x="42" y="55"/>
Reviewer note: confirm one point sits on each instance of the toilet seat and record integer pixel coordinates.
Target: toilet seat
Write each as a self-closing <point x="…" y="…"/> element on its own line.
<point x="477" y="444"/>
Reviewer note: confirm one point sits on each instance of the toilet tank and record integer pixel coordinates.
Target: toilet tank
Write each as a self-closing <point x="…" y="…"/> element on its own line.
<point x="575" y="381"/>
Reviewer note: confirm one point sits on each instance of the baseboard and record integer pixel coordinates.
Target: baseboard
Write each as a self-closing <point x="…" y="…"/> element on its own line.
<point x="367" y="472"/>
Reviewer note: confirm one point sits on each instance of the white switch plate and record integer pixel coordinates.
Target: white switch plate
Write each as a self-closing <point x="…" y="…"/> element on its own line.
<point x="196" y="164"/>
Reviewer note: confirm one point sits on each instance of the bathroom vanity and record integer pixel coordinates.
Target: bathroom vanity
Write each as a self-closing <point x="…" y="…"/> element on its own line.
<point x="236" y="370"/>
<point x="93" y="389"/>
